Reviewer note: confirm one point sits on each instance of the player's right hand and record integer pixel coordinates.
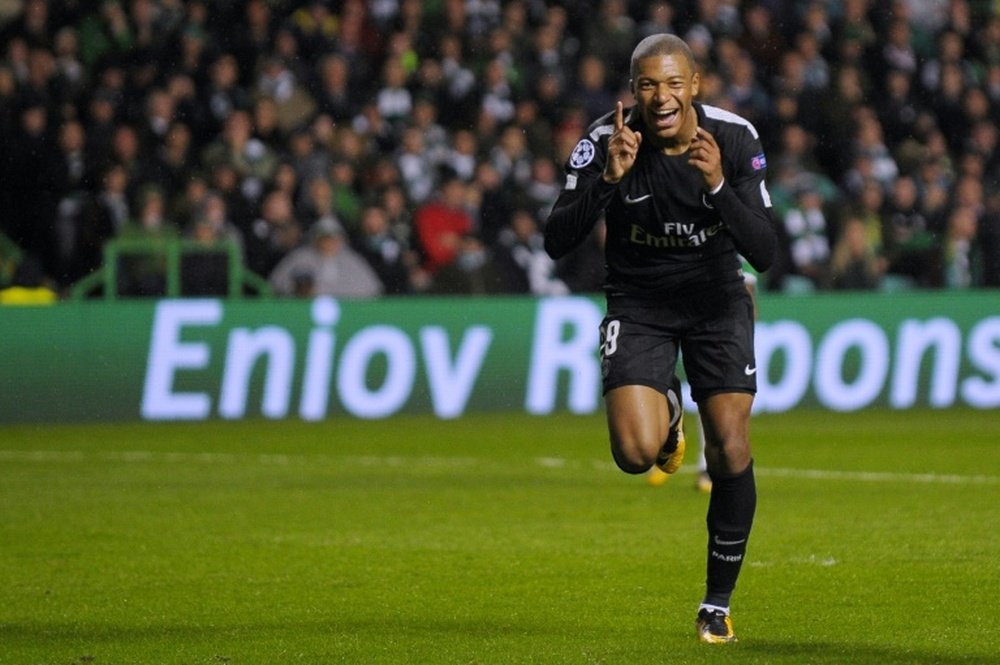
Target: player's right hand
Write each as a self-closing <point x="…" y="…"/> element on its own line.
<point x="623" y="146"/>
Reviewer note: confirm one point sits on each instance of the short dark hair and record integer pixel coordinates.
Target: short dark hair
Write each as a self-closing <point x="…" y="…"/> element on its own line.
<point x="660" y="44"/>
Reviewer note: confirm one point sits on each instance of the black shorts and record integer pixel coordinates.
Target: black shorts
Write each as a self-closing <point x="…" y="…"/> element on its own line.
<point x="641" y="339"/>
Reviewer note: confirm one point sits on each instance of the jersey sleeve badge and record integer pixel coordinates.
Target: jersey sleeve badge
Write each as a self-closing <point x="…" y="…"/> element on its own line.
<point x="758" y="162"/>
<point x="582" y="154"/>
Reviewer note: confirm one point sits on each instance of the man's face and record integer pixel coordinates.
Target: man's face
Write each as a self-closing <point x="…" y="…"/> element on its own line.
<point x="664" y="87"/>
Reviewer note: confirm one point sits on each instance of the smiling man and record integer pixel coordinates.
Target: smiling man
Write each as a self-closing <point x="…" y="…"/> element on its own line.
<point x="681" y="187"/>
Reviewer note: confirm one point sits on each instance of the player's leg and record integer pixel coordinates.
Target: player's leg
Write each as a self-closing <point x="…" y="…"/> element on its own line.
<point x="671" y="454"/>
<point x="719" y="361"/>
<point x="725" y="418"/>
<point x="703" y="481"/>
<point x="638" y="425"/>
<point x="731" y="508"/>
<point x="641" y="391"/>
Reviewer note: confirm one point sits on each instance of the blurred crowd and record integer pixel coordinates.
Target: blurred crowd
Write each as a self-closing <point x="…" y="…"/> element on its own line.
<point x="363" y="148"/>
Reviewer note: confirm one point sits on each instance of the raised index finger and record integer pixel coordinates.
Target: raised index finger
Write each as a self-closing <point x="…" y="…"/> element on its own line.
<point x="619" y="117"/>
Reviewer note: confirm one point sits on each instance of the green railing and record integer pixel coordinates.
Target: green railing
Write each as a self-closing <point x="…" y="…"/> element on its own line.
<point x="171" y="250"/>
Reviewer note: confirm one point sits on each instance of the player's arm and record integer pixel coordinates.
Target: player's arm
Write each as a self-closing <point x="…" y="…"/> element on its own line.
<point x="740" y="198"/>
<point x="592" y="175"/>
<point x="575" y="213"/>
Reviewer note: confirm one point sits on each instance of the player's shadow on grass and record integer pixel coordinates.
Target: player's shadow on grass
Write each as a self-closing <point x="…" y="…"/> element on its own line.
<point x="830" y="652"/>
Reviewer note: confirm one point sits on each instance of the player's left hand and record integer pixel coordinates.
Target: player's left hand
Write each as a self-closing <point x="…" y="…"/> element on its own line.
<point x="705" y="156"/>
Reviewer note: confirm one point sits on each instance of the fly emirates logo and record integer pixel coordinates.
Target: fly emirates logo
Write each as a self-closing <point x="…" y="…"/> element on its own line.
<point x="675" y="234"/>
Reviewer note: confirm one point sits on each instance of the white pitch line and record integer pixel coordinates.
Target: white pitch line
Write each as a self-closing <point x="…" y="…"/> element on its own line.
<point x="269" y="459"/>
<point x="811" y="560"/>
<point x="440" y="462"/>
<point x="817" y="474"/>
<point x="879" y="476"/>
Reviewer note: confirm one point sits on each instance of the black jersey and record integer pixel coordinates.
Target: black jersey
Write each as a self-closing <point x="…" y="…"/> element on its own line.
<point x="666" y="237"/>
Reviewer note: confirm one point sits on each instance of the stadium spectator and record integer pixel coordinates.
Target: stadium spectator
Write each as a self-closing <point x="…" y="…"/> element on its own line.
<point x="254" y="33"/>
<point x="897" y="53"/>
<point x="268" y="127"/>
<point x="390" y="257"/>
<point x="225" y="182"/>
<point x="249" y="156"/>
<point x="223" y="95"/>
<point x="742" y="93"/>
<point x="461" y="154"/>
<point x="658" y="19"/>
<point x="104" y="215"/>
<point x="415" y="165"/>
<point x="206" y="272"/>
<point x="272" y="234"/>
<point x="808" y="235"/>
<point x="527" y="268"/>
<point x="593" y="94"/>
<point x="151" y="220"/>
<point x="950" y="52"/>
<point x="553" y="52"/>
<point x="869" y="144"/>
<point x="215" y="215"/>
<point x="169" y="164"/>
<point x="510" y="156"/>
<point x="74" y="165"/>
<point x="333" y="91"/>
<point x="397" y="208"/>
<point x="347" y="202"/>
<point x="32" y="179"/>
<point x="497" y="92"/>
<point x="473" y="271"/>
<point x="542" y="188"/>
<point x="868" y="205"/>
<point x="394" y="101"/>
<point x="761" y="39"/>
<point x="855" y="263"/>
<point x="817" y="69"/>
<point x="962" y="255"/>
<point x="537" y="131"/>
<point x="494" y="202"/>
<point x="144" y="274"/>
<point x="316" y="201"/>
<point x="441" y="223"/>
<point x="899" y="111"/>
<point x="457" y="93"/>
<point x="908" y="236"/>
<point x="126" y="151"/>
<point x="325" y="266"/>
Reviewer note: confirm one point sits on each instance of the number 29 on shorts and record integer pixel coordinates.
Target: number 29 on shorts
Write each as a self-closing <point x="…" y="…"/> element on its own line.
<point x="609" y="337"/>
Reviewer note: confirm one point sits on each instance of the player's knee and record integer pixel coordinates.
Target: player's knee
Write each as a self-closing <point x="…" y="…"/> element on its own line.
<point x="632" y="457"/>
<point x="632" y="463"/>
<point x="732" y="454"/>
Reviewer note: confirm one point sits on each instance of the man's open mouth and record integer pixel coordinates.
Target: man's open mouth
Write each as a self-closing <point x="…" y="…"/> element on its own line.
<point x="665" y="117"/>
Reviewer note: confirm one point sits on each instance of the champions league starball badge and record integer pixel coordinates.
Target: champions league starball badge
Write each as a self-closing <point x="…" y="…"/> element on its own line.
<point x="583" y="154"/>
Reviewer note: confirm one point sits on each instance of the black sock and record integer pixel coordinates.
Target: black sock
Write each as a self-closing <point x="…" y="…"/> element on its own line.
<point x="730" y="516"/>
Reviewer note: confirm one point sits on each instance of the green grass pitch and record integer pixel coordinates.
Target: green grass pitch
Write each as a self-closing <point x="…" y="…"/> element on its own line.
<point x="490" y="539"/>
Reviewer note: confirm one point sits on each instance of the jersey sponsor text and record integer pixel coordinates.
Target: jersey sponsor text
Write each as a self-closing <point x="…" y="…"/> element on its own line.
<point x="677" y="235"/>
